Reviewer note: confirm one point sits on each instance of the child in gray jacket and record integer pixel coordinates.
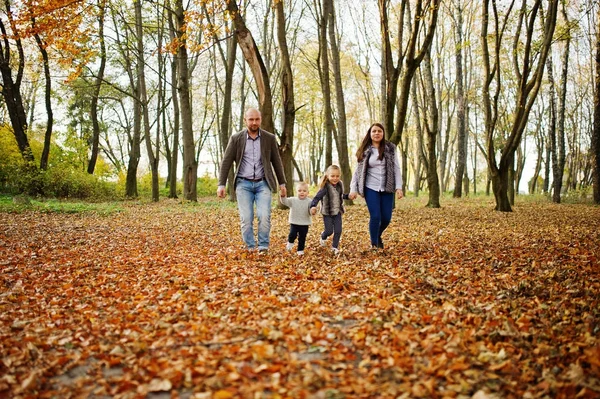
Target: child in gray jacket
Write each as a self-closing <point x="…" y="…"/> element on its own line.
<point x="300" y="217"/>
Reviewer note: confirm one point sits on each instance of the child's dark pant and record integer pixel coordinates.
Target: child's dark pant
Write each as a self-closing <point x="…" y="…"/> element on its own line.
<point x="300" y="231"/>
<point x="333" y="225"/>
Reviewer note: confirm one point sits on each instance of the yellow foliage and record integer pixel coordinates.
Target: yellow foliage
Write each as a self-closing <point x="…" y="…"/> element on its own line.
<point x="9" y="151"/>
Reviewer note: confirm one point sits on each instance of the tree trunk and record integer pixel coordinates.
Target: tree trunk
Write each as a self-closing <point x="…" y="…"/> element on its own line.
<point x="557" y="174"/>
<point x="48" y="98"/>
<point x="432" y="127"/>
<point x="143" y="98"/>
<point x="228" y="57"/>
<point x="131" y="190"/>
<point x="404" y="162"/>
<point x="287" y="96"/>
<point x="11" y="91"/>
<point x="539" y="144"/>
<point x="225" y="131"/>
<point x="520" y="165"/>
<point x="596" y="131"/>
<point x="461" y="159"/>
<point x="528" y="71"/>
<point x="342" y="130"/>
<point x="190" y="166"/>
<point x="421" y="158"/>
<point x="511" y="182"/>
<point x="323" y="62"/>
<point x="257" y="66"/>
<point x="174" y="164"/>
<point x="500" y="183"/>
<point x="547" y="166"/>
<point x="96" y="94"/>
<point x="408" y="59"/>
<point x="560" y="126"/>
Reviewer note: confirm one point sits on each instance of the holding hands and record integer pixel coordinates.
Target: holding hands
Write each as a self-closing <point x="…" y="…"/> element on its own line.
<point x="313" y="210"/>
<point x="399" y="195"/>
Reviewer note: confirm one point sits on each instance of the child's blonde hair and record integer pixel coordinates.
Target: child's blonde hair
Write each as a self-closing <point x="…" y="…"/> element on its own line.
<point x="325" y="178"/>
<point x="301" y="184"/>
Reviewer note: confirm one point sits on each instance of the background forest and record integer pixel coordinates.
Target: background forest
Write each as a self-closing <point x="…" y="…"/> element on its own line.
<point x="111" y="98"/>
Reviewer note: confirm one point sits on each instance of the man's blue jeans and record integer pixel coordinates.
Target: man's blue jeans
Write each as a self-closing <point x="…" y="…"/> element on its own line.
<point x="380" y="207"/>
<point x="249" y="193"/>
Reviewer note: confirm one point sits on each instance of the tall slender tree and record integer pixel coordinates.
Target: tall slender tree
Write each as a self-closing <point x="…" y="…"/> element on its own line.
<point x="287" y="96"/>
<point x="48" y="98"/>
<point x="432" y="127"/>
<point x="461" y="131"/>
<point x="324" y="76"/>
<point x="190" y="165"/>
<point x="342" y="126"/>
<point x="596" y="131"/>
<point x="558" y="148"/>
<point x="97" y="86"/>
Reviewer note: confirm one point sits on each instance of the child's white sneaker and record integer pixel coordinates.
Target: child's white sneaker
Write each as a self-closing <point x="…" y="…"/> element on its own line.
<point x="335" y="250"/>
<point x="289" y="246"/>
<point x="322" y="242"/>
<point x="300" y="253"/>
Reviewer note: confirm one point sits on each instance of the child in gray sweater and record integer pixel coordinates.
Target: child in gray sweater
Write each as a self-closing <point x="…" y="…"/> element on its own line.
<point x="300" y="217"/>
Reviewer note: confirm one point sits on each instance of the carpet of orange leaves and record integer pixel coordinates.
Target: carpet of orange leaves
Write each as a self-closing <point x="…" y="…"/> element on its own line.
<point x="160" y="300"/>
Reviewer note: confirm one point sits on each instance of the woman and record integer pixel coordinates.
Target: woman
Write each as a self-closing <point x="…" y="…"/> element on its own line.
<point x="376" y="178"/>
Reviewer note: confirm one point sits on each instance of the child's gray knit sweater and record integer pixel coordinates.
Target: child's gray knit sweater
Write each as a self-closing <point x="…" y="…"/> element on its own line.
<point x="299" y="210"/>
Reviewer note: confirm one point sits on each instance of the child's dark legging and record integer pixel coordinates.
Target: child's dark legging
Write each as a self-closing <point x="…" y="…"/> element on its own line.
<point x="299" y="231"/>
<point x="333" y="225"/>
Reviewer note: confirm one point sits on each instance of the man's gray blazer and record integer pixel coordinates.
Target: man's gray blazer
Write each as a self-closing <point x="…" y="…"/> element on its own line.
<point x="269" y="153"/>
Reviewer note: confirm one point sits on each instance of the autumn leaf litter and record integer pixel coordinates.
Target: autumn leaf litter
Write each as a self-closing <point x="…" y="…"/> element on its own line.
<point x="162" y="299"/>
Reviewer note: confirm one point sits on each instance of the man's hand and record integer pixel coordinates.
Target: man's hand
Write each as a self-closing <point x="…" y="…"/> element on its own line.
<point x="313" y="210"/>
<point x="282" y="191"/>
<point x="221" y="192"/>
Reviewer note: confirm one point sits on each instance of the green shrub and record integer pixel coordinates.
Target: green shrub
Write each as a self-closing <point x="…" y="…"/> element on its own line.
<point x="207" y="186"/>
<point x="59" y="181"/>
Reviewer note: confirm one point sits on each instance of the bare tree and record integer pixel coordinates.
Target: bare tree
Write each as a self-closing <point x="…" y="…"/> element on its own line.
<point x="96" y="94"/>
<point x="432" y="127"/>
<point x="558" y="137"/>
<point x="528" y="70"/>
<point x="174" y="158"/>
<point x="257" y="66"/>
<point x="11" y="86"/>
<point x="190" y="165"/>
<point x="287" y="95"/>
<point x="408" y="58"/>
<point x="596" y="132"/>
<point x="461" y="131"/>
<point x="122" y="38"/>
<point x="342" y="130"/>
<point x="323" y="66"/>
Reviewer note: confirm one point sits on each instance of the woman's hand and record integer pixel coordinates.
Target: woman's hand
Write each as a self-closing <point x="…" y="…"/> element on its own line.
<point x="399" y="194"/>
<point x="352" y="196"/>
<point x="313" y="210"/>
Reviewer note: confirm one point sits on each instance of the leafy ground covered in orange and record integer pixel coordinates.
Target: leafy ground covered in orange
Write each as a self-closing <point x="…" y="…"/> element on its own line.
<point x="160" y="300"/>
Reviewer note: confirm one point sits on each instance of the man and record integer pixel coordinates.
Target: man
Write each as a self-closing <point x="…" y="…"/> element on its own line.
<point x="256" y="155"/>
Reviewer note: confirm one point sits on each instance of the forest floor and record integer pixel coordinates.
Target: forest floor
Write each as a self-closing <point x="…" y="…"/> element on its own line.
<point x="161" y="301"/>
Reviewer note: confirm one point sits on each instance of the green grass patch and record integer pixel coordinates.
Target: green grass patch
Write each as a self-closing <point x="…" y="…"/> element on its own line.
<point x="18" y="204"/>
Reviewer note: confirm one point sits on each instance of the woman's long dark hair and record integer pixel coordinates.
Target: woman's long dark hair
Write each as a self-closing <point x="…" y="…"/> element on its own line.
<point x="367" y="142"/>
